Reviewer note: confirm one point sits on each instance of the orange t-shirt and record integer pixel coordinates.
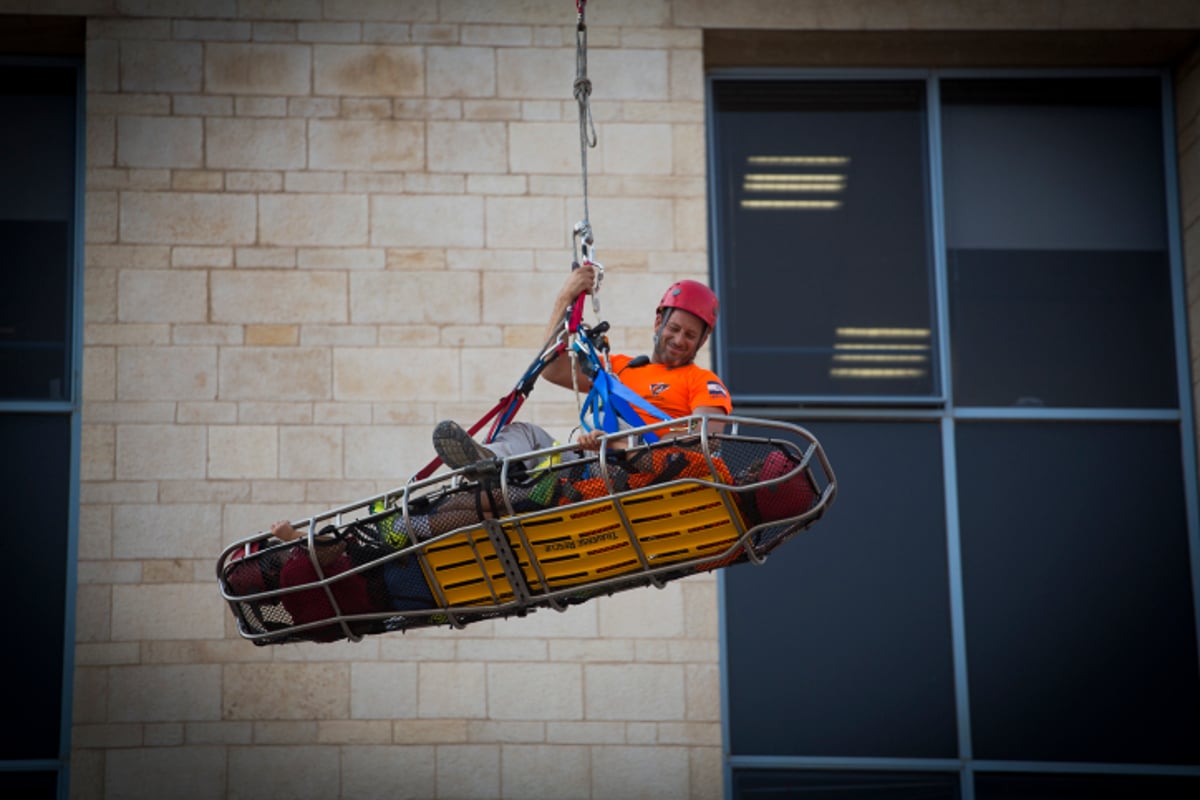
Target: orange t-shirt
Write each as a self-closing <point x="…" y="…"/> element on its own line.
<point x="676" y="392"/>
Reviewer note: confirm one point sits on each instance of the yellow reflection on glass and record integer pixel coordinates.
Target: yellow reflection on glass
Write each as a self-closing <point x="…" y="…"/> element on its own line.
<point x="791" y="204"/>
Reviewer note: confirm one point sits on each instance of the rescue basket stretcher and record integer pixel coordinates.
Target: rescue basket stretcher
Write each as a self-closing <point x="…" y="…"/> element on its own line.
<point x="498" y="538"/>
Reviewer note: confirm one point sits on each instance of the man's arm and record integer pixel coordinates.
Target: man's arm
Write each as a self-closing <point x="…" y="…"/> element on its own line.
<point x="558" y="371"/>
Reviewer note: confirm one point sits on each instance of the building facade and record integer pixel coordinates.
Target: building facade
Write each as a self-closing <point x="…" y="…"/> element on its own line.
<point x="297" y="234"/>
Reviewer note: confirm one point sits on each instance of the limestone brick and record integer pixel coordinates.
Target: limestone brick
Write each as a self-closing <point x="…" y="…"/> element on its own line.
<point x="310" y="452"/>
<point x="526" y="222"/>
<point x="314" y="182"/>
<point x="634" y="224"/>
<point x="103" y="61"/>
<point x="161" y="66"/>
<point x="166" y="611"/>
<point x="99" y="373"/>
<point x="264" y="106"/>
<point x="127" y="334"/>
<point x="253" y="182"/>
<point x="278" y="297"/>
<point x="199" y="218"/>
<point x="298" y="773"/>
<point x="272" y="335"/>
<point x="333" y="32"/>
<point x="243" y="451"/>
<point x="254" y="143"/>
<point x="468" y="771"/>
<point x="383" y="691"/>
<point x="101" y="217"/>
<point x="92" y="624"/>
<point x="451" y="690"/>
<point x="258" y="257"/>
<point x="497" y="110"/>
<point x="585" y="732"/>
<point x="629" y="74"/>
<point x="654" y="614"/>
<point x="517" y="298"/>
<point x="257" y="373"/>
<point x="154" y="531"/>
<point x="339" y="258"/>
<point x="149" y="772"/>
<point x="162" y="296"/>
<point x="368" y="70"/>
<point x="649" y="692"/>
<point x="388" y="145"/>
<point x="545" y="772"/>
<point x="641" y="773"/>
<point x="197" y="180"/>
<point x="267" y="69"/>
<point x="691" y="224"/>
<point x="101" y="140"/>
<point x="385" y="32"/>
<point x="95" y="532"/>
<point x="427" y="221"/>
<point x="435" y="34"/>
<point x="313" y="219"/>
<point x="382" y="10"/>
<point x="534" y="691"/>
<point x="401" y="773"/>
<point x="460" y="72"/>
<point x="545" y="147"/>
<point x="473" y="147"/>
<point x="637" y="149"/>
<point x="299" y="691"/>
<point x="166" y="373"/>
<point x="173" y="142"/>
<point x="406" y="297"/>
<point x="367" y="732"/>
<point x="703" y="690"/>
<point x="497" y="35"/>
<point x="386" y="453"/>
<point x="506" y="732"/>
<point x="270" y="732"/>
<point x="536" y="73"/>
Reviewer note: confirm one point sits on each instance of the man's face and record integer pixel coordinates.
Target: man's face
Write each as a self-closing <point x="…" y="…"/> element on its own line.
<point x="676" y="343"/>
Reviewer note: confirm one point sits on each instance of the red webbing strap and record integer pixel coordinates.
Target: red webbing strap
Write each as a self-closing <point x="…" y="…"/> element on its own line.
<point x="576" y="314"/>
<point x="428" y="469"/>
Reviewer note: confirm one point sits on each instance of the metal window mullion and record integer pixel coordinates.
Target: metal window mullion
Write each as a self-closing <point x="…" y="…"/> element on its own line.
<point x="1187" y="420"/>
<point x="954" y="576"/>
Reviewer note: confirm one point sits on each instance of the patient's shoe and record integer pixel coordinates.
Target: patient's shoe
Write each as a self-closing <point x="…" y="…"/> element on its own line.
<point x="455" y="446"/>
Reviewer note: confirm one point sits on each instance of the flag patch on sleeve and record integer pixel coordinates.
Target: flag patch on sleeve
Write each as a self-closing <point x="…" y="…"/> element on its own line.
<point x="715" y="389"/>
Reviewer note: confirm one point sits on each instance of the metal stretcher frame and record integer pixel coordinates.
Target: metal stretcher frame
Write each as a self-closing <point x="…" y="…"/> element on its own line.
<point x="560" y="555"/>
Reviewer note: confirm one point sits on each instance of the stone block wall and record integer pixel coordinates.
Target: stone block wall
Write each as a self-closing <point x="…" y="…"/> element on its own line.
<point x="315" y="228"/>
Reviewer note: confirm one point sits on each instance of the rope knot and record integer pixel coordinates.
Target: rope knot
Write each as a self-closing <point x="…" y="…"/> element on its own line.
<point x="582" y="88"/>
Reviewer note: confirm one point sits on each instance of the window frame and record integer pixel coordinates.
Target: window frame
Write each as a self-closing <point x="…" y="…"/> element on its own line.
<point x="71" y="409"/>
<point x="941" y="408"/>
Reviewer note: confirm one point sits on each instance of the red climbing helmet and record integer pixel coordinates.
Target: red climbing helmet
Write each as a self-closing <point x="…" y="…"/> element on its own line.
<point x="692" y="296"/>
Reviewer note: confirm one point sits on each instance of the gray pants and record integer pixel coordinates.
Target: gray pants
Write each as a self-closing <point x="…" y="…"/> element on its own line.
<point x="516" y="438"/>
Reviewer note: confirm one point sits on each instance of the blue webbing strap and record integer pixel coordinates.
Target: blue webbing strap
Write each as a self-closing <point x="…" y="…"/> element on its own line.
<point x="609" y="401"/>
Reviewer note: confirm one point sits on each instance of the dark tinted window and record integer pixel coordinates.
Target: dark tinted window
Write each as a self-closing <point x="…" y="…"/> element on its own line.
<point x="34" y="476"/>
<point x="823" y="220"/>
<point x="840" y="644"/>
<point x="37" y="207"/>
<point x="1081" y="641"/>
<point x="1060" y="291"/>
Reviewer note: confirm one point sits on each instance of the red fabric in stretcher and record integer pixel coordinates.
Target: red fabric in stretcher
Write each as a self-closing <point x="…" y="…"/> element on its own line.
<point x="312" y="605"/>
<point x="788" y="498"/>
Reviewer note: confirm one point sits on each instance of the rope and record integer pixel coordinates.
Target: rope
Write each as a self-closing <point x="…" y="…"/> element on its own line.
<point x="583" y="92"/>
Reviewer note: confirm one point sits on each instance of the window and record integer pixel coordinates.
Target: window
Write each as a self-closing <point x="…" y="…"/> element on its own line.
<point x="811" y="306"/>
<point x="965" y="286"/>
